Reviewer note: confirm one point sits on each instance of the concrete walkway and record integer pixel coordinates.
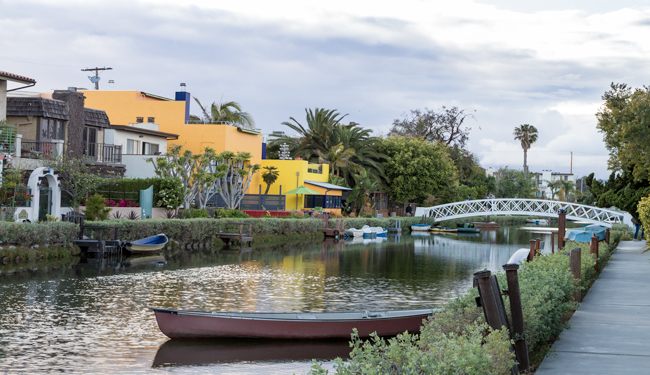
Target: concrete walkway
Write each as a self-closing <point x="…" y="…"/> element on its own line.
<point x="610" y="331"/>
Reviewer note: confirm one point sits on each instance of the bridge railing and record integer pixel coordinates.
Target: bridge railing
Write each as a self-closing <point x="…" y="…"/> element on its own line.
<point x="522" y="206"/>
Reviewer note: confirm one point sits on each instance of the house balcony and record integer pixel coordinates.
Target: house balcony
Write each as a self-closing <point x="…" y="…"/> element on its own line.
<point x="102" y="153"/>
<point x="30" y="154"/>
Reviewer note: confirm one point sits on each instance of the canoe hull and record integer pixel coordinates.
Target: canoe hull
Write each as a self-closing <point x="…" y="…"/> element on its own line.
<point x="147" y="245"/>
<point x="420" y="228"/>
<point x="190" y="325"/>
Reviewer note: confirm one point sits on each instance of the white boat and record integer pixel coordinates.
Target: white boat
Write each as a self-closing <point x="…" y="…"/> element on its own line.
<point x="354" y="233"/>
<point x="537" y="221"/>
<point x="420" y="227"/>
<point x="371" y="232"/>
<point x="365" y="231"/>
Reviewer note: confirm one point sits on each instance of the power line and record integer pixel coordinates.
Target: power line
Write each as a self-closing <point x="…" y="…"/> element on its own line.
<point x="95" y="79"/>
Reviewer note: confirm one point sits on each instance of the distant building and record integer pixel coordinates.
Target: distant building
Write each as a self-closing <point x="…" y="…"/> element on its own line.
<point x="545" y="177"/>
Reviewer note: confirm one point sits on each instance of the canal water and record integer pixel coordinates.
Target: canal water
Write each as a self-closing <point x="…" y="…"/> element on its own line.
<point x="93" y="317"/>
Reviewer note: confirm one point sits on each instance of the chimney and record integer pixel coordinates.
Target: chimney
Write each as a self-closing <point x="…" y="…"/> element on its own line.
<point x="185" y="96"/>
<point x="76" y="120"/>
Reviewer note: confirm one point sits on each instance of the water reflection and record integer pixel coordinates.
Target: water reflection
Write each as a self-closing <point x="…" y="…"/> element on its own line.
<point x="184" y="353"/>
<point x="93" y="317"/>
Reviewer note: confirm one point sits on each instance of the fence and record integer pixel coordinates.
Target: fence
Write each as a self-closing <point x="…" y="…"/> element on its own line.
<point x="103" y="153"/>
<point x="38" y="149"/>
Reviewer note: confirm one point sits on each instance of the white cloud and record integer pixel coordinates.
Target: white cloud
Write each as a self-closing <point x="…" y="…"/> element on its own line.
<point x="511" y="62"/>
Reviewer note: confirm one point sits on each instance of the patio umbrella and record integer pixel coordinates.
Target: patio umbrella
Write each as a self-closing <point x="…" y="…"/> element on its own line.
<point x="301" y="190"/>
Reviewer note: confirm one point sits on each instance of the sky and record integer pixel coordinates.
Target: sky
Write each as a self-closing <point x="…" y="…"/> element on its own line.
<point x="505" y="62"/>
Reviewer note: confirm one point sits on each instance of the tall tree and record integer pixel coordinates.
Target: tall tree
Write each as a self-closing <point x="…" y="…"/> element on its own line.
<point x="323" y="138"/>
<point x="227" y="112"/>
<point x="527" y="135"/>
<point x="446" y="126"/>
<point x="235" y="179"/>
<point x="555" y="187"/>
<point x="418" y="170"/>
<point x="511" y="183"/>
<point x="567" y="188"/>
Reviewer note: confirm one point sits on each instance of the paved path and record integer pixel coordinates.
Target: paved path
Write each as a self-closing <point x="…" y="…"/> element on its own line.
<point x="610" y="331"/>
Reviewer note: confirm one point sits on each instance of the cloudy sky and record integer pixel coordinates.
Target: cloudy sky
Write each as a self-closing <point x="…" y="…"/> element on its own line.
<point x="506" y="62"/>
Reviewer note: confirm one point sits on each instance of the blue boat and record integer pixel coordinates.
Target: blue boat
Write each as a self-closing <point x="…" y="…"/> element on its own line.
<point x="584" y="234"/>
<point x="145" y="245"/>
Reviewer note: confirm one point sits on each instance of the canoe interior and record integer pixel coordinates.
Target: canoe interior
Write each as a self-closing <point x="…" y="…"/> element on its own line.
<point x="320" y="316"/>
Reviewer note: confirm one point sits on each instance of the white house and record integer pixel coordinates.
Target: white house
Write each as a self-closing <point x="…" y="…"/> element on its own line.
<point x="140" y="142"/>
<point x="545" y="177"/>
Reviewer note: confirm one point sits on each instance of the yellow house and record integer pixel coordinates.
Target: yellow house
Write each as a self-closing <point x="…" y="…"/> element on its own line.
<point x="296" y="173"/>
<point x="172" y="116"/>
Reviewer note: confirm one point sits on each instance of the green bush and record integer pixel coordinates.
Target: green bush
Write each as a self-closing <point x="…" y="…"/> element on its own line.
<point x="221" y="213"/>
<point x="129" y="188"/>
<point x="644" y="215"/>
<point x="96" y="208"/>
<point x="195" y="213"/>
<point x="170" y="193"/>
<point x="46" y="233"/>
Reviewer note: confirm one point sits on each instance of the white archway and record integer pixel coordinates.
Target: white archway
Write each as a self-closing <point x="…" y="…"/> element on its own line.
<point x="34" y="183"/>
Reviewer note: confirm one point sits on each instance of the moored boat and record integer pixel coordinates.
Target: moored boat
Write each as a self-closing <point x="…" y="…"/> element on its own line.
<point x="443" y="230"/>
<point x="420" y="227"/>
<point x="151" y="244"/>
<point x="584" y="234"/>
<point x="467" y="228"/>
<point x="537" y="221"/>
<point x="179" y="324"/>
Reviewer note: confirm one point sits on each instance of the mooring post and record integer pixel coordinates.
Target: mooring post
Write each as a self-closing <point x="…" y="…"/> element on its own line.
<point x="517" y="316"/>
<point x="490" y="298"/>
<point x="538" y="246"/>
<point x="575" y="271"/>
<point x="594" y="250"/>
<point x="531" y="253"/>
<point x="607" y="234"/>
<point x="561" y="229"/>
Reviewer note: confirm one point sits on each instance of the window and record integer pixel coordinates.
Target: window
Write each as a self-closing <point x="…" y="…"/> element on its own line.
<point x="139" y="120"/>
<point x="50" y="129"/>
<point x="132" y="146"/>
<point x="90" y="141"/>
<point x="150" y="148"/>
<point x="324" y="201"/>
<point x="151" y="119"/>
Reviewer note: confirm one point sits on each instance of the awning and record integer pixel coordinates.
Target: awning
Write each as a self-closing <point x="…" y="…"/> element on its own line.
<point x="327" y="186"/>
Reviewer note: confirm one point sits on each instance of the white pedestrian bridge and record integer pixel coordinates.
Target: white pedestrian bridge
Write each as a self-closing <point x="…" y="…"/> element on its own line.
<point x="525" y="207"/>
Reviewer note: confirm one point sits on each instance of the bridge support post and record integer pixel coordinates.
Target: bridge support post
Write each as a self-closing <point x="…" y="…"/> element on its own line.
<point x="561" y="229"/>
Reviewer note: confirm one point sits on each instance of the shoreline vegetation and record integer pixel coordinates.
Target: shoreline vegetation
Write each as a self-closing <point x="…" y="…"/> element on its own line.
<point x="457" y="340"/>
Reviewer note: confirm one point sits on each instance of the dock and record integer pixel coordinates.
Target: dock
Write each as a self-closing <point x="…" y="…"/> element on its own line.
<point x="609" y="332"/>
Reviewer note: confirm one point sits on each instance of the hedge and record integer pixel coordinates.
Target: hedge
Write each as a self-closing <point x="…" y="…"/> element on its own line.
<point x="29" y="234"/>
<point x="203" y="229"/>
<point x="456" y="339"/>
<point x="114" y="188"/>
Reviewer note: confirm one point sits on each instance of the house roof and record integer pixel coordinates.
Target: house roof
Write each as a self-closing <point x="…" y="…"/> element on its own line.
<point x="134" y="129"/>
<point x="6" y="76"/>
<point x="96" y="118"/>
<point x="327" y="186"/>
<point x="38" y="107"/>
<point x="154" y="96"/>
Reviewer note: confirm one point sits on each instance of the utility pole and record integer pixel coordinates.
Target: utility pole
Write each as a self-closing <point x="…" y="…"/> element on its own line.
<point x="95" y="79"/>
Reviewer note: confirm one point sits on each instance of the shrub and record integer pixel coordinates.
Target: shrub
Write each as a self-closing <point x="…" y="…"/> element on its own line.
<point x="96" y="208"/>
<point x="121" y="188"/>
<point x="46" y="233"/>
<point x="195" y="213"/>
<point x="229" y="213"/>
<point x="643" y="209"/>
<point x="170" y="195"/>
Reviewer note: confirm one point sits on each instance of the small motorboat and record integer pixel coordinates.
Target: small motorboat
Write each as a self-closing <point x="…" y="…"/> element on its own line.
<point x="584" y="234"/>
<point x="372" y="232"/>
<point x="537" y="221"/>
<point x="179" y="324"/>
<point x="443" y="230"/>
<point x="147" y="245"/>
<point x="420" y="227"/>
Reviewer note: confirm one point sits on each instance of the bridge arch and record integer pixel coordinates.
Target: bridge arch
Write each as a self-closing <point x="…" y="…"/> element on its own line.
<point x="524" y="207"/>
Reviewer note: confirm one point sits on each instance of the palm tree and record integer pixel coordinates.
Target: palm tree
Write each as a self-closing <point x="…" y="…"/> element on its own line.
<point x="269" y="176"/>
<point x="567" y="188"/>
<point x="323" y="138"/>
<point x="228" y="112"/>
<point x="555" y="187"/>
<point x="527" y="135"/>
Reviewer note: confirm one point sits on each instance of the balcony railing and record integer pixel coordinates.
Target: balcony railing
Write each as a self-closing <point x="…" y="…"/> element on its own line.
<point x="103" y="153"/>
<point x="38" y="149"/>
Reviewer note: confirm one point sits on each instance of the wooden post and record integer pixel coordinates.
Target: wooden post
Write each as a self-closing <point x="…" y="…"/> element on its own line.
<point x="531" y="253"/>
<point x="575" y="271"/>
<point x="538" y="245"/>
<point x="607" y="234"/>
<point x="552" y="243"/>
<point x="491" y="301"/>
<point x="561" y="229"/>
<point x="517" y="315"/>
<point x="594" y="250"/>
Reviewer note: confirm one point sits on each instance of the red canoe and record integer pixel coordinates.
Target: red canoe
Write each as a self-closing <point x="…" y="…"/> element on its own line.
<point x="179" y="324"/>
